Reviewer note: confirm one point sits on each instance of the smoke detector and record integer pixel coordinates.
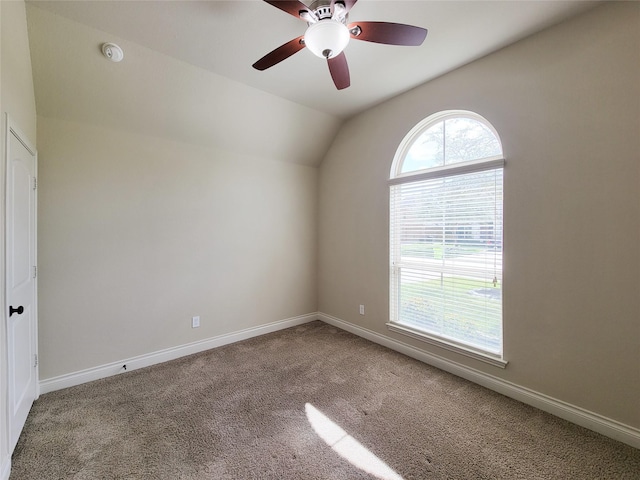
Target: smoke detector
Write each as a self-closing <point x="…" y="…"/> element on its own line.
<point x="112" y="51"/>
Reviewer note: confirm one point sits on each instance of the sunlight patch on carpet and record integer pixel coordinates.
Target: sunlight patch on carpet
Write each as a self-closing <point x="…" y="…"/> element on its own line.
<point x="347" y="446"/>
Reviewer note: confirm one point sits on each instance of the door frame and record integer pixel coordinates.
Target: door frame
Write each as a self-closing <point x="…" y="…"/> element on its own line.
<point x="13" y="129"/>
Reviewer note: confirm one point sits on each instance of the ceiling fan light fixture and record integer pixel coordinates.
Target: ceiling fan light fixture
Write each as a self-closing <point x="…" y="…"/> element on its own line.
<point x="328" y="34"/>
<point x="327" y="38"/>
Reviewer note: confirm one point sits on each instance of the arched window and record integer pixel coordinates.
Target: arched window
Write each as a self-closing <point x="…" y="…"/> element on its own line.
<point x="446" y="235"/>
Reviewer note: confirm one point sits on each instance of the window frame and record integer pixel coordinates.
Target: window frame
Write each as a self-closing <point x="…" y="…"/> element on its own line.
<point x="455" y="169"/>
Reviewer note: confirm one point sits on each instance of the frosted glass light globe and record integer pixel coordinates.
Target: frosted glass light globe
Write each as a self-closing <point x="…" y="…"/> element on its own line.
<point x="327" y="38"/>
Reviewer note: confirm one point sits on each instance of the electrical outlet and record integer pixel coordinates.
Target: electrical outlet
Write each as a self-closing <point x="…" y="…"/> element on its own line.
<point x="195" y="322"/>
<point x="361" y="309"/>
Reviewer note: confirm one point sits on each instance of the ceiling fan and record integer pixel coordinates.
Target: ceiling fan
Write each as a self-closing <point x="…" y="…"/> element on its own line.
<point x="328" y="34"/>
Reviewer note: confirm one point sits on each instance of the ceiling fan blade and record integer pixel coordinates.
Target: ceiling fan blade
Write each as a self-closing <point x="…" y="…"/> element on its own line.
<point x="388" y="33"/>
<point x="292" y="7"/>
<point x="339" y="71"/>
<point x="279" y="54"/>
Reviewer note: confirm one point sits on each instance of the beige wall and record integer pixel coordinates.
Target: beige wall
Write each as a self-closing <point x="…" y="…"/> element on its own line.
<point x="17" y="82"/>
<point x="16" y="98"/>
<point x="138" y="234"/>
<point x="566" y="103"/>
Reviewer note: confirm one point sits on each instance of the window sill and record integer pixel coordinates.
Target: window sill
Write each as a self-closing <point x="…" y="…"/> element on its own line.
<point x="483" y="357"/>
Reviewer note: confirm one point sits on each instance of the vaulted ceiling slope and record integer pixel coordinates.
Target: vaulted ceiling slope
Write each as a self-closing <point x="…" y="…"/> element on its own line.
<point x="153" y="94"/>
<point x="187" y="70"/>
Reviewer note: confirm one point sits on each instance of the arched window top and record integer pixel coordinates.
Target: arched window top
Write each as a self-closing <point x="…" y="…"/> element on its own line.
<point x="445" y="139"/>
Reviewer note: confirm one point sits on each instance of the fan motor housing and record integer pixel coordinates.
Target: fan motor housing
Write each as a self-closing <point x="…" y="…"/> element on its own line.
<point x="322" y="9"/>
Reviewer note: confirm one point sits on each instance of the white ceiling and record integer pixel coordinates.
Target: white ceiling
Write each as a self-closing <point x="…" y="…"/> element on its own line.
<point x="211" y="45"/>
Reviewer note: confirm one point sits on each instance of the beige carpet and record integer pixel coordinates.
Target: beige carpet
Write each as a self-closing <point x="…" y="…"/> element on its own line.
<point x="310" y="402"/>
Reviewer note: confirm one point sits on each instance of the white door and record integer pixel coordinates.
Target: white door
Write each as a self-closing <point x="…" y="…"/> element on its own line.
<point x="21" y="315"/>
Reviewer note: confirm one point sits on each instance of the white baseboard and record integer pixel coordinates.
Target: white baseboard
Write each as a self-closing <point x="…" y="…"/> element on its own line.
<point x="592" y="421"/>
<point x="5" y="469"/>
<point x="134" y="363"/>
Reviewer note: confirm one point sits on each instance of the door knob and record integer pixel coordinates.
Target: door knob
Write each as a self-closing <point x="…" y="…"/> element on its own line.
<point x="18" y="310"/>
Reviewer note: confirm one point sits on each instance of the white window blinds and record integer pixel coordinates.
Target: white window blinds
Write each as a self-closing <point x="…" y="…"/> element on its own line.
<point x="446" y="256"/>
